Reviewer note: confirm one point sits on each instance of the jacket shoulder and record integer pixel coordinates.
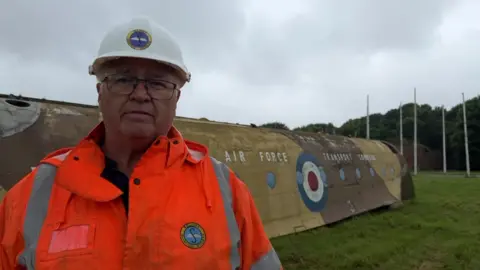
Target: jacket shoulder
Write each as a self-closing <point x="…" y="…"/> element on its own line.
<point x="237" y="186"/>
<point x="56" y="157"/>
<point x="16" y="199"/>
<point x="19" y="194"/>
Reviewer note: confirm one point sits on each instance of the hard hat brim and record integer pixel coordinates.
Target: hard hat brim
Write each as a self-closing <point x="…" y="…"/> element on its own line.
<point x="99" y="61"/>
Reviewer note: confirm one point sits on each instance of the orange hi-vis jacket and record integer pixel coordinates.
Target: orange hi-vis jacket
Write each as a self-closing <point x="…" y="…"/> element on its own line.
<point x="186" y="211"/>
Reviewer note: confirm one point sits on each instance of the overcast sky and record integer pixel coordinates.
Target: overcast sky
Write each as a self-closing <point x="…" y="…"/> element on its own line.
<point x="256" y="61"/>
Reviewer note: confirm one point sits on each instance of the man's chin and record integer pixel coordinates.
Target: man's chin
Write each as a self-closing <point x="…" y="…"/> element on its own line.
<point x="139" y="131"/>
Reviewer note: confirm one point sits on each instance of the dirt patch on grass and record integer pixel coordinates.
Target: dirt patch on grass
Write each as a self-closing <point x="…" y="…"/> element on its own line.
<point x="431" y="265"/>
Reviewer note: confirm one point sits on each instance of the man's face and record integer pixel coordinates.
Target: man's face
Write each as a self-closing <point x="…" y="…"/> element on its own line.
<point x="147" y="111"/>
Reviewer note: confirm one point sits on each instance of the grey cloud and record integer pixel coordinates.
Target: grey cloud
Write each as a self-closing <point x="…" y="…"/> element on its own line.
<point x="208" y="29"/>
<point x="315" y="63"/>
<point x="53" y="30"/>
<point x="369" y="26"/>
<point x="339" y="28"/>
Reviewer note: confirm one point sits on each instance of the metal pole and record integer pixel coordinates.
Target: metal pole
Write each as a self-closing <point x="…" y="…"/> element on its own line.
<point x="414" y="131"/>
<point x="444" y="148"/>
<point x="401" y="129"/>
<point x="467" y="157"/>
<point x="368" y="118"/>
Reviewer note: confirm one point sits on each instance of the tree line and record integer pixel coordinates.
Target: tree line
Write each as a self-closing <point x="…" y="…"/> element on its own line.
<point x="429" y="129"/>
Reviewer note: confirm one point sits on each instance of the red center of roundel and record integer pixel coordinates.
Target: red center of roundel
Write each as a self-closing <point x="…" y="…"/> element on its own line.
<point x="312" y="181"/>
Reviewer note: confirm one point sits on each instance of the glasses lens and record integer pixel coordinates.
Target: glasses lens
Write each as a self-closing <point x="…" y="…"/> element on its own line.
<point x="157" y="89"/>
<point x="121" y="84"/>
<point x="161" y="89"/>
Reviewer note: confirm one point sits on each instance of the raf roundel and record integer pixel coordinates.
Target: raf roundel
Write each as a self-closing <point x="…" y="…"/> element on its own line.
<point x="139" y="39"/>
<point x="311" y="182"/>
<point x="193" y="235"/>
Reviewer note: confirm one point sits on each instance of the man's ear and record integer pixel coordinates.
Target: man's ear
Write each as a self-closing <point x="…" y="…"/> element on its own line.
<point x="179" y="93"/>
<point x="99" y="93"/>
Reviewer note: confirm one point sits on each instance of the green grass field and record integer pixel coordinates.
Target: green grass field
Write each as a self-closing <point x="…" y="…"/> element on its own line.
<point x="440" y="229"/>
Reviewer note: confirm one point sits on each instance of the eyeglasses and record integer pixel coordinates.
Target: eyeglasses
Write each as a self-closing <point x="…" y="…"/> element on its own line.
<point x="125" y="85"/>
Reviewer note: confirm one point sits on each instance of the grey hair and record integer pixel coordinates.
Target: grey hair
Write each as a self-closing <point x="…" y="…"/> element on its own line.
<point x="100" y="75"/>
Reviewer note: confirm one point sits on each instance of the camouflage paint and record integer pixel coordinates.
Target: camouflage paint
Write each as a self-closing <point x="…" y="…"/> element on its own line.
<point x="295" y="178"/>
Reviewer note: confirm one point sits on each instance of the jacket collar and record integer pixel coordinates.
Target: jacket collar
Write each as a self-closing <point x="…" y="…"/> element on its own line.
<point x="178" y="148"/>
<point x="81" y="169"/>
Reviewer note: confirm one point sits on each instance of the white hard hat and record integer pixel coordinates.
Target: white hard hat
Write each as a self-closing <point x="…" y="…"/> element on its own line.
<point x="140" y="38"/>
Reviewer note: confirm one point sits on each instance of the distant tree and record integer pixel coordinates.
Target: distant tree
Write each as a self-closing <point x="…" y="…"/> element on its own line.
<point x="429" y="129"/>
<point x="276" y="125"/>
<point x="318" y="127"/>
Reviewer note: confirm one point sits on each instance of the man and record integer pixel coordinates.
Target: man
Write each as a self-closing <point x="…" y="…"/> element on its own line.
<point x="134" y="194"/>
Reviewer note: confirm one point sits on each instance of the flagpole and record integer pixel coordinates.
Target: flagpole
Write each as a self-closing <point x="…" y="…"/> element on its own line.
<point x="368" y="118"/>
<point x="444" y="147"/>
<point x="401" y="129"/>
<point x="415" y="131"/>
<point x="467" y="157"/>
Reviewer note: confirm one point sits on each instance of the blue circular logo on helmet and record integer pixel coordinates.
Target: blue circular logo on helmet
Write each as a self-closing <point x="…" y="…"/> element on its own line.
<point x="311" y="182"/>
<point x="139" y="39"/>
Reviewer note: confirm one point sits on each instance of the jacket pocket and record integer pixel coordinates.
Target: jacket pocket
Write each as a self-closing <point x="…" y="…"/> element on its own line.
<point x="72" y="240"/>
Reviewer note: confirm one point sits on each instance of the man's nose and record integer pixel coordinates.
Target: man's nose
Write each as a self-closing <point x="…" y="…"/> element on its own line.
<point x="140" y="92"/>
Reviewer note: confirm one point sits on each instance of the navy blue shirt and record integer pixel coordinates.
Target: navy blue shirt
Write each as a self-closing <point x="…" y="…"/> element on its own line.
<point x="118" y="178"/>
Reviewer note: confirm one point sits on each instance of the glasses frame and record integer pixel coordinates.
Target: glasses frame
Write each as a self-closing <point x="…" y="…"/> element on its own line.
<point x="146" y="82"/>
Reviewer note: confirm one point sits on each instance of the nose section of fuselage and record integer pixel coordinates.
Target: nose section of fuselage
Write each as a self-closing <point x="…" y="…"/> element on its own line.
<point x="16" y="115"/>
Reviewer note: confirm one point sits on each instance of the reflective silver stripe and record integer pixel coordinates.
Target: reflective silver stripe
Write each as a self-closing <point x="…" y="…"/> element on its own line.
<point x="269" y="261"/>
<point x="37" y="209"/>
<point x="223" y="177"/>
<point x="62" y="157"/>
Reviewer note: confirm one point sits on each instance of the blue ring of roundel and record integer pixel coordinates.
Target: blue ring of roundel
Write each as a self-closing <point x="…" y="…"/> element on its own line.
<point x="311" y="205"/>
